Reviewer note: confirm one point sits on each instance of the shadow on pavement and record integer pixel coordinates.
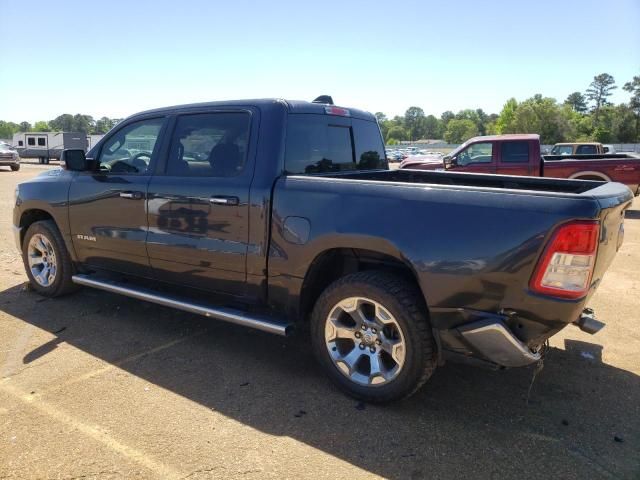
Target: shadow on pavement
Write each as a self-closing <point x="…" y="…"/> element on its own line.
<point x="465" y="423"/>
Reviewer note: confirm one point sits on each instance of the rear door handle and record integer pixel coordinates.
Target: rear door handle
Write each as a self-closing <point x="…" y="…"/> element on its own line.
<point x="131" y="195"/>
<point x="224" y="200"/>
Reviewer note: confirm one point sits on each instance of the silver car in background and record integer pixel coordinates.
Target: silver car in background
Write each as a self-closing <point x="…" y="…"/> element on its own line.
<point x="9" y="157"/>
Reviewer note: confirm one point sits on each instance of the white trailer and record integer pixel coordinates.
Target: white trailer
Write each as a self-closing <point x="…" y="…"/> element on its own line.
<point x="47" y="145"/>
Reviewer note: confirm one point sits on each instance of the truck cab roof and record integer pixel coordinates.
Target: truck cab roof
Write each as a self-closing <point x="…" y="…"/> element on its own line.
<point x="508" y="137"/>
<point x="292" y="106"/>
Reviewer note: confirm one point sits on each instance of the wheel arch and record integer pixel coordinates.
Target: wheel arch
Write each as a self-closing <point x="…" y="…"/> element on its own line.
<point x="29" y="217"/>
<point x="590" y="175"/>
<point x="334" y="263"/>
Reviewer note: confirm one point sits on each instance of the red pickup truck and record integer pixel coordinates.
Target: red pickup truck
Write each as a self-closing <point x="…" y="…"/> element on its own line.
<point x="519" y="154"/>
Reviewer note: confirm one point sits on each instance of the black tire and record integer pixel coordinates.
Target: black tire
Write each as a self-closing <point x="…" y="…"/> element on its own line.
<point x="405" y="302"/>
<point x="41" y="160"/>
<point x="62" y="283"/>
<point x="15" y="168"/>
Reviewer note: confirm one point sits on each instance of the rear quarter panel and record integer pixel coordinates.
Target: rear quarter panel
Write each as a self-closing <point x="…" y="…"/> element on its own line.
<point x="625" y="171"/>
<point x="469" y="248"/>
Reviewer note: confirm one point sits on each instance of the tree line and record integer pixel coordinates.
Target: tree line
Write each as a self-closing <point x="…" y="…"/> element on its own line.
<point x="587" y="116"/>
<point x="62" y="123"/>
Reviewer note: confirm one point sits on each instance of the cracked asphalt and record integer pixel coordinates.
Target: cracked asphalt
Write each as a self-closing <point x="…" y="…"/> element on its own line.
<point x="99" y="386"/>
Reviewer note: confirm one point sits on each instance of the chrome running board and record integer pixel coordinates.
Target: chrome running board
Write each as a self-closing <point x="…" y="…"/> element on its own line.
<point x="238" y="317"/>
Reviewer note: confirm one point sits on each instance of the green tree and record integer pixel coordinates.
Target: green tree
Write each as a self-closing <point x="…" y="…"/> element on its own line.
<point x="476" y="116"/>
<point x="505" y="121"/>
<point x="599" y="90"/>
<point x="483" y="120"/>
<point x="103" y="125"/>
<point x="432" y="127"/>
<point x="83" y="123"/>
<point x="445" y="118"/>
<point x="633" y="87"/>
<point x="41" y="126"/>
<point x="381" y="117"/>
<point x="7" y="129"/>
<point x="541" y="115"/>
<point x="397" y="133"/>
<point x="62" y="123"/>
<point x="577" y="102"/>
<point x="460" y="130"/>
<point x="414" y="123"/>
<point x="25" y="126"/>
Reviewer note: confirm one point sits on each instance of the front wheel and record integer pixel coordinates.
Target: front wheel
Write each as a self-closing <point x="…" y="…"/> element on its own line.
<point x="15" y="168"/>
<point x="372" y="336"/>
<point x="46" y="260"/>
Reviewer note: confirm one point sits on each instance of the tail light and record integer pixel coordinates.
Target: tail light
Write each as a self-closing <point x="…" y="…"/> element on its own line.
<point x="567" y="263"/>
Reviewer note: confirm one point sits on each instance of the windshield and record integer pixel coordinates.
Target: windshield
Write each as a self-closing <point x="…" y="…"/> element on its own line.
<point x="459" y="149"/>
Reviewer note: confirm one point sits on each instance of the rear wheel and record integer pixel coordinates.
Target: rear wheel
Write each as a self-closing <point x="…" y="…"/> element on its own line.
<point x="371" y="334"/>
<point x="46" y="260"/>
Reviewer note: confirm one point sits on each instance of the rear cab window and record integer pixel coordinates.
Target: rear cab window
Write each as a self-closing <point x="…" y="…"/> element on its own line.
<point x="324" y="143"/>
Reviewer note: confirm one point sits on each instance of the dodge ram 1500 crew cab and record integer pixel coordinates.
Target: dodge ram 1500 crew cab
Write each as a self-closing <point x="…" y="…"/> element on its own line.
<point x="273" y="214"/>
<point x="519" y="154"/>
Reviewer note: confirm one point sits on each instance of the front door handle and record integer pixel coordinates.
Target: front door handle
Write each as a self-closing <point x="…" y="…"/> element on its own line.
<point x="224" y="200"/>
<point x="131" y="195"/>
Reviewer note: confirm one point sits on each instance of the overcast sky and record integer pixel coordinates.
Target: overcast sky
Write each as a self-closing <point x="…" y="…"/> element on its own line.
<point x="119" y="57"/>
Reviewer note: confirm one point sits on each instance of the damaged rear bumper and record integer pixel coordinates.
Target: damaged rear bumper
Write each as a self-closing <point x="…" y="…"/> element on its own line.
<point x="490" y="337"/>
<point x="496" y="342"/>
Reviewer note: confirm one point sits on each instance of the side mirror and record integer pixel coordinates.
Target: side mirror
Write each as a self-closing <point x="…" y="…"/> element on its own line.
<point x="74" y="160"/>
<point x="449" y="161"/>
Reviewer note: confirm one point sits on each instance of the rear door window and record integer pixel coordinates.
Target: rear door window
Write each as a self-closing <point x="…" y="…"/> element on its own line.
<point x="586" y="150"/>
<point x="209" y="145"/>
<point x="514" y="152"/>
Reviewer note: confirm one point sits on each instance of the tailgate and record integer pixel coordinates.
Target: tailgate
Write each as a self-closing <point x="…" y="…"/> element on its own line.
<point x="614" y="199"/>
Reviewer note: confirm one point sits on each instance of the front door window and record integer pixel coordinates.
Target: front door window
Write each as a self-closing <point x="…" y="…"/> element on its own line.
<point x="476" y="153"/>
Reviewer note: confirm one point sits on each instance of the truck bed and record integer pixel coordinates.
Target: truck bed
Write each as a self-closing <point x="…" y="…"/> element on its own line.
<point x="607" y="156"/>
<point x="535" y="184"/>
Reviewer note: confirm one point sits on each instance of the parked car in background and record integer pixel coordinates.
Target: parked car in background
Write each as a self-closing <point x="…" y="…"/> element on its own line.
<point x="9" y="157"/>
<point x="583" y="148"/>
<point x="392" y="271"/>
<point x="395" y="157"/>
<point x="609" y="149"/>
<point x="519" y="154"/>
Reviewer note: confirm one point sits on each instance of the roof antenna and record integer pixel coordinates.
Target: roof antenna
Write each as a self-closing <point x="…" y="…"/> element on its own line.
<point x="326" y="99"/>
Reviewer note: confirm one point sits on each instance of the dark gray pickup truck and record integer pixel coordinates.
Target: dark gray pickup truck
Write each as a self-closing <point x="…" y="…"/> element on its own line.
<point x="277" y="214"/>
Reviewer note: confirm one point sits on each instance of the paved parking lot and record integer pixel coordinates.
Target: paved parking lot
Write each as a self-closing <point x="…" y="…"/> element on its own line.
<point x="99" y="386"/>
